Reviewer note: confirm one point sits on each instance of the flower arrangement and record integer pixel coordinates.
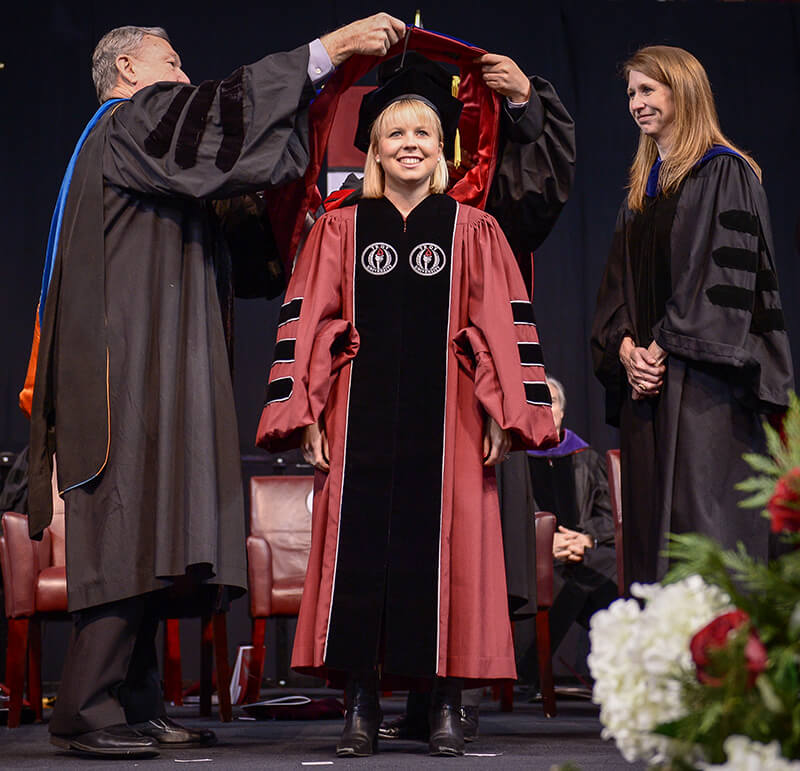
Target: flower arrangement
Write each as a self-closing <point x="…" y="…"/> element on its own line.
<point x="706" y="675"/>
<point x="637" y="659"/>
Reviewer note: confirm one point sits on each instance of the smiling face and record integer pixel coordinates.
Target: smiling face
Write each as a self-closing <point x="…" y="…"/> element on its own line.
<point x="408" y="147"/>
<point x="154" y="61"/>
<point x="652" y="106"/>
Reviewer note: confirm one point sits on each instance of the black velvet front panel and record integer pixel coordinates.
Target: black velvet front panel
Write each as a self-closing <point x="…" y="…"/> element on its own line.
<point x="553" y="482"/>
<point x="651" y="262"/>
<point x="386" y="585"/>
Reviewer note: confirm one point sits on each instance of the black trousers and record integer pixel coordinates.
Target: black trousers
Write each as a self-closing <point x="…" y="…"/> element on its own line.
<point x="578" y="592"/>
<point x="111" y="669"/>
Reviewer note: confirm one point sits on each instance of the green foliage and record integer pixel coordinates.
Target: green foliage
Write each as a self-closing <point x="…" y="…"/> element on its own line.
<point x="748" y="582"/>
<point x="769" y="709"/>
<point x="783" y="458"/>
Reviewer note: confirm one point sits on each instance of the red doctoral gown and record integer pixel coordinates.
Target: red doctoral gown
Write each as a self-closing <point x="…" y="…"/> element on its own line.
<point x="406" y="562"/>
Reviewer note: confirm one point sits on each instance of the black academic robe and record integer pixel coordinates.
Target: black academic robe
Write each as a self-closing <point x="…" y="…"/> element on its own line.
<point x="133" y="389"/>
<point x="534" y="173"/>
<point x="586" y="486"/>
<point x="571" y="481"/>
<point x="580" y="483"/>
<point x="713" y="302"/>
<point x="533" y="177"/>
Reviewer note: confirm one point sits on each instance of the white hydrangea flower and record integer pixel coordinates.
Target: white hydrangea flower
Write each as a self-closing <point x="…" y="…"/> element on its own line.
<point x="747" y="755"/>
<point x="637" y="657"/>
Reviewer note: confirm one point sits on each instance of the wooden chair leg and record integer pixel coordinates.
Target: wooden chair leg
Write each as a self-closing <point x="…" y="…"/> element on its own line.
<point x="545" y="663"/>
<point x="35" y="667"/>
<point x="223" y="667"/>
<point x="173" y="677"/>
<point x="256" y="671"/>
<point x="507" y="696"/>
<point x="206" y="653"/>
<point x="16" y="655"/>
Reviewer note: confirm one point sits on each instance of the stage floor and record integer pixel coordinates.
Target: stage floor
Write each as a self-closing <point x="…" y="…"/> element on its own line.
<point x="522" y="739"/>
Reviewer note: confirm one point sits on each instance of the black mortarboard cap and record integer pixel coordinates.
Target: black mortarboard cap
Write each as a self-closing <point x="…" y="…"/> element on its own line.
<point x="419" y="77"/>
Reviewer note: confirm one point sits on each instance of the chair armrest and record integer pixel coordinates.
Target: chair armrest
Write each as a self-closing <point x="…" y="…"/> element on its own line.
<point x="19" y="557"/>
<point x="614" y="470"/>
<point x="259" y="576"/>
<point x="545" y="532"/>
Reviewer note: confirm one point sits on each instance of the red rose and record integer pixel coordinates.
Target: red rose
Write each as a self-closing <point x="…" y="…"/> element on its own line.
<point x="784" y="506"/>
<point x="714" y="636"/>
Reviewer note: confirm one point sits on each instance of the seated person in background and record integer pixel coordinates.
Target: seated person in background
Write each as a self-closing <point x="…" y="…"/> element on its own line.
<point x="570" y="480"/>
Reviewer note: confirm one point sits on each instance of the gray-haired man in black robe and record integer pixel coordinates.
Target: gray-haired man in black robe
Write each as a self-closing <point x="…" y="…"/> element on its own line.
<point x="133" y="390"/>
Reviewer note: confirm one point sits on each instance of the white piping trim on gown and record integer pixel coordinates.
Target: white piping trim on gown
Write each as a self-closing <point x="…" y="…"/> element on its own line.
<point x="344" y="456"/>
<point x="444" y="440"/>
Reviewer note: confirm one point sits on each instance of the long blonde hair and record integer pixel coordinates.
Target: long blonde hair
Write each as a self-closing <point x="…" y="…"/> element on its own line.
<point x="401" y="110"/>
<point x="696" y="125"/>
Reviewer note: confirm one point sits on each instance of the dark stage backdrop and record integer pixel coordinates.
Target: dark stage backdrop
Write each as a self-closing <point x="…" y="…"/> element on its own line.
<point x="751" y="52"/>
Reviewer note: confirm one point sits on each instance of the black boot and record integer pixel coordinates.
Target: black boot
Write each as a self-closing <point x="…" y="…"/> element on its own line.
<point x="447" y="734"/>
<point x="362" y="717"/>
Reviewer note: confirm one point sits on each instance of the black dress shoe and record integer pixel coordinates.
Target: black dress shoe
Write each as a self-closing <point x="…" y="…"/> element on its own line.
<point x="172" y="735"/>
<point x="469" y="722"/>
<point x="362" y="718"/>
<point x="446" y="732"/>
<point x="116" y="741"/>
<point x="402" y="727"/>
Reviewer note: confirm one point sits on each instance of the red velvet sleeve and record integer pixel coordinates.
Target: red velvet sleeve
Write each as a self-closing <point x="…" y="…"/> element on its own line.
<point x="314" y="341"/>
<point x="501" y="344"/>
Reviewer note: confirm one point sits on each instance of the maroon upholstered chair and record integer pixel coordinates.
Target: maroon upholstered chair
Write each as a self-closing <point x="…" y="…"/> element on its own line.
<point x="615" y="489"/>
<point x="277" y="557"/>
<point x="35" y="581"/>
<point x="545" y="532"/>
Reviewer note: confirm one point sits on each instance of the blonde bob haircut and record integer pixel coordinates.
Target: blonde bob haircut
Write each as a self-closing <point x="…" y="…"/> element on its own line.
<point x="696" y="125"/>
<point x="413" y="111"/>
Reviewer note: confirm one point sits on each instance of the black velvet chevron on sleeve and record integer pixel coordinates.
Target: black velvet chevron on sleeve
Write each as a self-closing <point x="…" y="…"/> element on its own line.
<point x="737" y="219"/>
<point x="232" y="116"/>
<point x="767" y="320"/>
<point x="766" y="281"/>
<point x="728" y="296"/>
<point x="159" y="139"/>
<point x="194" y="124"/>
<point x="530" y="354"/>
<point x="537" y="393"/>
<point x="733" y="257"/>
<point x="279" y="390"/>
<point x="290" y="311"/>
<point x="284" y="350"/>
<point x="522" y="311"/>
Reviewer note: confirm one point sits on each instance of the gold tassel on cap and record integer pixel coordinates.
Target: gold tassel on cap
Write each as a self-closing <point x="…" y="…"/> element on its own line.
<point x="455" y="83"/>
<point x="418" y="19"/>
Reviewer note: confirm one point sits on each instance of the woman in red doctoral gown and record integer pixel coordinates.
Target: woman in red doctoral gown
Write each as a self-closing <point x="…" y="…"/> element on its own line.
<point x="407" y="364"/>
